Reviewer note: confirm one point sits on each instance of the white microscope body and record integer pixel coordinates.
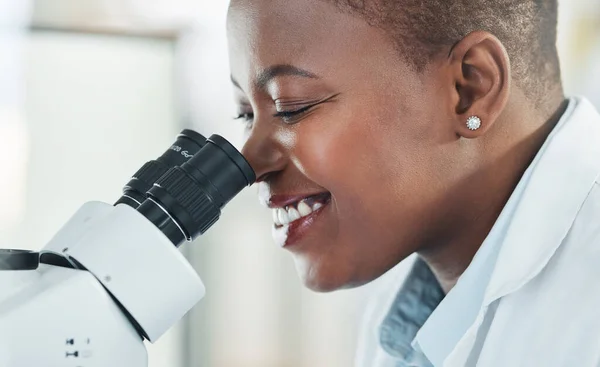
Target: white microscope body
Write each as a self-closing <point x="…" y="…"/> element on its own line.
<point x="109" y="279"/>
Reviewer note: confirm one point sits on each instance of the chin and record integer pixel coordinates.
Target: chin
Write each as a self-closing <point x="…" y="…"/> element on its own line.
<point x="324" y="278"/>
<point x="320" y="285"/>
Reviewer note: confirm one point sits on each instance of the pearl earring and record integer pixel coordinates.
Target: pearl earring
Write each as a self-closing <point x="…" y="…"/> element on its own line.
<point x="473" y="123"/>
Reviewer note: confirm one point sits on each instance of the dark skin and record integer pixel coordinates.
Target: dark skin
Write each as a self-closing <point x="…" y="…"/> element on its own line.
<point x="388" y="143"/>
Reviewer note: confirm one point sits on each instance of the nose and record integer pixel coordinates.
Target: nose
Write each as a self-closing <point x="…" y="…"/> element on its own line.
<point x="265" y="154"/>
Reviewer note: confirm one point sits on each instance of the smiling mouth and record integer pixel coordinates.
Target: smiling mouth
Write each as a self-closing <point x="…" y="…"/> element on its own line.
<point x="300" y="209"/>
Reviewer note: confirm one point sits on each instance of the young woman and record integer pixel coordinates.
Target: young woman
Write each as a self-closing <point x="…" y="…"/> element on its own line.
<point x="383" y="128"/>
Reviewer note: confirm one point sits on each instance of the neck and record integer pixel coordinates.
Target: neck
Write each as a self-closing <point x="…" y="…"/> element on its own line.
<point x="478" y="210"/>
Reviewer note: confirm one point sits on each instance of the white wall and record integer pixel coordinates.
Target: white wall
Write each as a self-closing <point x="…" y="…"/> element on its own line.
<point x="14" y="19"/>
<point x="579" y="47"/>
<point x="96" y="109"/>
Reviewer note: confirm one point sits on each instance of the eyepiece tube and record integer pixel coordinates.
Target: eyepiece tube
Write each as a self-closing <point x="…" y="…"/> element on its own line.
<point x="187" y="200"/>
<point x="187" y="144"/>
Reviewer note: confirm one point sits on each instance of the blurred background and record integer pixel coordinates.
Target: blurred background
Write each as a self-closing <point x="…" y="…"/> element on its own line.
<point x="90" y="90"/>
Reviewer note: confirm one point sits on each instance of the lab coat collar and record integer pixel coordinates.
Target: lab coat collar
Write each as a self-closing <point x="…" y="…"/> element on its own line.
<point x="564" y="176"/>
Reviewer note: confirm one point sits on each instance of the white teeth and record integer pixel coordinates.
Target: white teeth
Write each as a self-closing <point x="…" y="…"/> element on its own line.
<point x="283" y="216"/>
<point x="304" y="209"/>
<point x="276" y="217"/>
<point x="293" y="214"/>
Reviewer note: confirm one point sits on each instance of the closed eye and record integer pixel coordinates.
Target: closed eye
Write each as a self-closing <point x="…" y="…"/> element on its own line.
<point x="292" y="116"/>
<point x="288" y="116"/>
<point x="247" y="119"/>
<point x="248" y="116"/>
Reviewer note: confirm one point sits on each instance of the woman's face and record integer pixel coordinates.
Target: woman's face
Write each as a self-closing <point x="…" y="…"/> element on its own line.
<point x="343" y="134"/>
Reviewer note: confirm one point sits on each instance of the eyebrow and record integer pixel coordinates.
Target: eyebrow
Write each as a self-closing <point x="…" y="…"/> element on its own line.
<point x="268" y="74"/>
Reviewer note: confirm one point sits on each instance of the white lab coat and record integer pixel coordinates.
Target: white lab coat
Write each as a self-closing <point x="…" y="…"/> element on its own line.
<point x="542" y="305"/>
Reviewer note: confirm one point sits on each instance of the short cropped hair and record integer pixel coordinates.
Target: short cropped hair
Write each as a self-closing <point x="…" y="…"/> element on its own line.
<point x="422" y="29"/>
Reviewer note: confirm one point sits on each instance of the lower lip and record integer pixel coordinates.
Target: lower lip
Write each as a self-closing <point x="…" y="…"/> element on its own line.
<point x="291" y="234"/>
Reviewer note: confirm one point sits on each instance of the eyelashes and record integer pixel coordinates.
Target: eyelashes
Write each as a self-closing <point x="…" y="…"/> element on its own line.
<point x="247" y="119"/>
<point x="287" y="117"/>
<point x="246" y="116"/>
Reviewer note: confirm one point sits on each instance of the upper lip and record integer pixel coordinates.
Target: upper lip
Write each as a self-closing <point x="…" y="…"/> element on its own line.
<point x="281" y="201"/>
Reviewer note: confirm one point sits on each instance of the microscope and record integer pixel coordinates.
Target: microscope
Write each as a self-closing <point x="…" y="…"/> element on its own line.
<point x="112" y="276"/>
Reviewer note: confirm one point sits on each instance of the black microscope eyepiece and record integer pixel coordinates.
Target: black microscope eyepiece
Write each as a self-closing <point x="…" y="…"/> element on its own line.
<point x="183" y="149"/>
<point x="188" y="199"/>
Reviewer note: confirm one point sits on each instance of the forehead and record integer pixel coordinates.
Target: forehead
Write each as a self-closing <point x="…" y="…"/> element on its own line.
<point x="310" y="34"/>
<point x="289" y="23"/>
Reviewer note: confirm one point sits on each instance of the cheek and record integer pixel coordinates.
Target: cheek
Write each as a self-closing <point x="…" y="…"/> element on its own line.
<point x="339" y="155"/>
<point x="359" y="148"/>
<point x="377" y="163"/>
<point x="332" y="153"/>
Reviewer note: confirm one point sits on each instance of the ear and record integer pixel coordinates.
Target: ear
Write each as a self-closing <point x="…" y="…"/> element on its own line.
<point x="480" y="70"/>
